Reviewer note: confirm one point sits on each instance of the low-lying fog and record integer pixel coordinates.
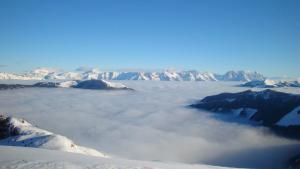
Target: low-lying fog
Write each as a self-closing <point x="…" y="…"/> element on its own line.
<point x="150" y="123"/>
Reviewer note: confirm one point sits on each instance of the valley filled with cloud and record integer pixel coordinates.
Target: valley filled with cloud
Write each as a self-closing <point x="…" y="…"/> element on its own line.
<point x="153" y="123"/>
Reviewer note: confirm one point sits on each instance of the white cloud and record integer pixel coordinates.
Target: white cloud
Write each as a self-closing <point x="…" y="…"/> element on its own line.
<point x="151" y="123"/>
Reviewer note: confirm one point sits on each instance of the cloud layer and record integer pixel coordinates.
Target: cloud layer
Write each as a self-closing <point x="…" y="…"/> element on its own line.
<point x="151" y="123"/>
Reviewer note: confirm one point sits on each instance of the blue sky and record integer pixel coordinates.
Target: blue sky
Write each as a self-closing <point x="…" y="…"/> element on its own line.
<point x="206" y="35"/>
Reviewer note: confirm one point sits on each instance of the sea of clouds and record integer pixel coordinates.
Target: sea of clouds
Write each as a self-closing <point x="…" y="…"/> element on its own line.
<point x="151" y="123"/>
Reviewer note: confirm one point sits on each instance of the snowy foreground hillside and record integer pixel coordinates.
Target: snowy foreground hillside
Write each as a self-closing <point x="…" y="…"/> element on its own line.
<point x="20" y="133"/>
<point x="52" y="74"/>
<point x="33" y="158"/>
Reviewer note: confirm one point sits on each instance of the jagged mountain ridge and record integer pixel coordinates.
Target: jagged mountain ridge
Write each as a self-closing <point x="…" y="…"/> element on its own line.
<point x="192" y="75"/>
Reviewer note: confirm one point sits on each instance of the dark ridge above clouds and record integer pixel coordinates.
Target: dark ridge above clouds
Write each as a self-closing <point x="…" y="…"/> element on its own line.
<point x="277" y="110"/>
<point x="86" y="84"/>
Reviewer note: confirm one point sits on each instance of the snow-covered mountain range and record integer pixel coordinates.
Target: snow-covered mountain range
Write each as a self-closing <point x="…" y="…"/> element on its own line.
<point x="168" y="75"/>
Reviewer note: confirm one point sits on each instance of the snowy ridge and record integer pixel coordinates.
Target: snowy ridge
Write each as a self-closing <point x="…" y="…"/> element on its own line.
<point x="21" y="133"/>
<point x="168" y="75"/>
<point x="271" y="84"/>
<point x="260" y="84"/>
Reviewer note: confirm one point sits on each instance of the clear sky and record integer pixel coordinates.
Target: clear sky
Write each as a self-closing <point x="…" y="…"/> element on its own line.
<point x="206" y="35"/>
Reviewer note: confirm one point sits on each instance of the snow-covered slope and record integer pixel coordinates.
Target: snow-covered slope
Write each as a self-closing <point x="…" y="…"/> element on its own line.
<point x="29" y="158"/>
<point x="260" y="84"/>
<point x="271" y="84"/>
<point x="290" y="119"/>
<point x="19" y="132"/>
<point x="168" y="75"/>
